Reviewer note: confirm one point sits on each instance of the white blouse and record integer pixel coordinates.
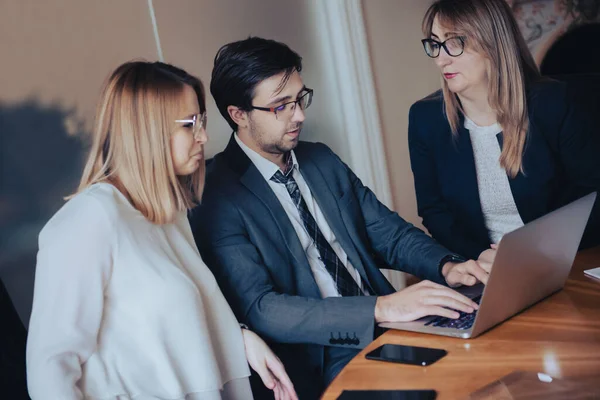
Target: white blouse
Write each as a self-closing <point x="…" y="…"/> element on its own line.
<point x="126" y="309"/>
<point x="497" y="202"/>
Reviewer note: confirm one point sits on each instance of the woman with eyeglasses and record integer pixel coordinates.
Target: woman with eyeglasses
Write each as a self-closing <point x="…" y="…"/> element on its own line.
<point x="123" y="305"/>
<point x="497" y="146"/>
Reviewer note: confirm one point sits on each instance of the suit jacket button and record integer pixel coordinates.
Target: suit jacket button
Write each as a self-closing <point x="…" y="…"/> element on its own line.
<point x="331" y="338"/>
<point x="347" y="339"/>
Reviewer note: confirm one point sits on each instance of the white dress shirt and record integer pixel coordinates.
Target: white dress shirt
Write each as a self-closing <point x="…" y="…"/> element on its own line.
<point x="497" y="202"/>
<point x="323" y="278"/>
<point x="126" y="309"/>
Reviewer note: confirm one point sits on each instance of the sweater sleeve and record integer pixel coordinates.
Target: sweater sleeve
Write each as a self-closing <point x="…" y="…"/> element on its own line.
<point x="74" y="265"/>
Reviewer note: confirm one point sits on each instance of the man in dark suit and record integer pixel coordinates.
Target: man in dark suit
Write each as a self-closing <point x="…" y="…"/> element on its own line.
<point x="294" y="238"/>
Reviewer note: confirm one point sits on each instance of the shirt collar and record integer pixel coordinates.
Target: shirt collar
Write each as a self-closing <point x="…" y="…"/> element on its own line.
<point x="266" y="168"/>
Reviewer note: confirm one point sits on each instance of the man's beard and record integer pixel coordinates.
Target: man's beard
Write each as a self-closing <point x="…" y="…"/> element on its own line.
<point x="280" y="147"/>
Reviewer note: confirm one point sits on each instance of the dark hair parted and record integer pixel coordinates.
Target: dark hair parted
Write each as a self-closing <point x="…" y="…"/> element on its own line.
<point x="240" y="66"/>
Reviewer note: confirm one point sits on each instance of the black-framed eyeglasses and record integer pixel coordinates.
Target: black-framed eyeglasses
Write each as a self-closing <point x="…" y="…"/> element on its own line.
<point x="286" y="110"/>
<point x="453" y="46"/>
<point x="196" y="122"/>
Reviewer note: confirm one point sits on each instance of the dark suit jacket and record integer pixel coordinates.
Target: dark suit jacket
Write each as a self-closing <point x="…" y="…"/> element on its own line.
<point x="247" y="240"/>
<point x="561" y="162"/>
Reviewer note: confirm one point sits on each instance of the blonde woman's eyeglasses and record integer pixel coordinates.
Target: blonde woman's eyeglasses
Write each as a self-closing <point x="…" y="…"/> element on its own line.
<point x="196" y="122"/>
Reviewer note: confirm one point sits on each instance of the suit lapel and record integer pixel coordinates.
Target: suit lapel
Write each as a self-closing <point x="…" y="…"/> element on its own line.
<point x="520" y="184"/>
<point x="329" y="207"/>
<point x="255" y="182"/>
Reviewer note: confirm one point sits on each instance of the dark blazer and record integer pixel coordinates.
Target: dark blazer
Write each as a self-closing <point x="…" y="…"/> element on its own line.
<point x="561" y="162"/>
<point x="247" y="240"/>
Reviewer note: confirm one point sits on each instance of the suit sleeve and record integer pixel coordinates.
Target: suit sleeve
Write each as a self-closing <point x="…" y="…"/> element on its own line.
<point x="437" y="217"/>
<point x="399" y="243"/>
<point x="224" y="244"/>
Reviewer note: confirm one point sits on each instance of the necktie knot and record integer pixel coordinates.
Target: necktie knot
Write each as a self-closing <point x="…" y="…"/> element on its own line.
<point x="280" y="177"/>
<point x="285" y="176"/>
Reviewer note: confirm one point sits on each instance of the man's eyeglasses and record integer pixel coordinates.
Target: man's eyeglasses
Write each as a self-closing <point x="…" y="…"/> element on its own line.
<point x="286" y="110"/>
<point x="196" y="122"/>
<point x="453" y="46"/>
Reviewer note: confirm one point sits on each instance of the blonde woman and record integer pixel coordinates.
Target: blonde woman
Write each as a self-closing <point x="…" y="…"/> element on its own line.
<point x="497" y="146"/>
<point x="123" y="305"/>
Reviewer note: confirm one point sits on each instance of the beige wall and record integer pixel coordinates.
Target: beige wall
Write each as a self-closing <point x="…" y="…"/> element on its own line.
<point x="59" y="52"/>
<point x="403" y="74"/>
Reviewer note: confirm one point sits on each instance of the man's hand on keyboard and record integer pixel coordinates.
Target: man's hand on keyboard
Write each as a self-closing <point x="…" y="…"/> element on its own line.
<point x="420" y="300"/>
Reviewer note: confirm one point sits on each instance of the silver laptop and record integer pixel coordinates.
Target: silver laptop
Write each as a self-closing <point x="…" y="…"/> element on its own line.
<point x="531" y="263"/>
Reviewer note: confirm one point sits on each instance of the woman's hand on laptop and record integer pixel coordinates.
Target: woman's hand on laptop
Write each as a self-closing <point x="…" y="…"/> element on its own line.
<point x="486" y="258"/>
<point x="467" y="273"/>
<point x="420" y="300"/>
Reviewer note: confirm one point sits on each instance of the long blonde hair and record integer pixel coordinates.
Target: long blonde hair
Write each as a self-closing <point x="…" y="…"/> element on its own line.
<point x="491" y="29"/>
<point x="131" y="139"/>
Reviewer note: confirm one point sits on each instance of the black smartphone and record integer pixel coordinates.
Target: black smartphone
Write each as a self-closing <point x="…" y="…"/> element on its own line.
<point x="406" y="354"/>
<point x="388" y="395"/>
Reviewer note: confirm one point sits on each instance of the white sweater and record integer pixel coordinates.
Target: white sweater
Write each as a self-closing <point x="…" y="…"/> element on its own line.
<point x="497" y="203"/>
<point x="125" y="309"/>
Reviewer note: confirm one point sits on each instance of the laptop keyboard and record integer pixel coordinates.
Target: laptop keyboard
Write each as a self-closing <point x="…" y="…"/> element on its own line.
<point x="465" y="321"/>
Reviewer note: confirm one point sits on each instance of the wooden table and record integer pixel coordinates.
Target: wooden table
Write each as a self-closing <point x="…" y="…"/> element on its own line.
<point x="559" y="336"/>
